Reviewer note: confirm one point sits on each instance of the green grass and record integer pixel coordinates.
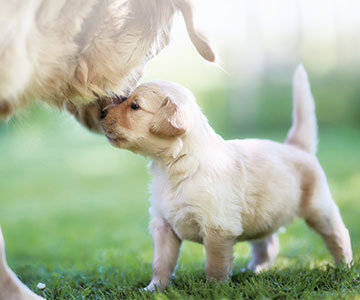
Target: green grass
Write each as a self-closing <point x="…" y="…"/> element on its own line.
<point x="74" y="212"/>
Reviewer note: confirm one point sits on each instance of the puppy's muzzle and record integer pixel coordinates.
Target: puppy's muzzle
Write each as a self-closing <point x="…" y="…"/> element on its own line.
<point x="115" y="100"/>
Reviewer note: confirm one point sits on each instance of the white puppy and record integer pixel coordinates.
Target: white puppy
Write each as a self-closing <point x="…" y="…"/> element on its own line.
<point x="218" y="192"/>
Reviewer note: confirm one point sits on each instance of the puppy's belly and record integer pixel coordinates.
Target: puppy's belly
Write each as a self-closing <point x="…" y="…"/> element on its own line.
<point x="255" y="235"/>
<point x="263" y="227"/>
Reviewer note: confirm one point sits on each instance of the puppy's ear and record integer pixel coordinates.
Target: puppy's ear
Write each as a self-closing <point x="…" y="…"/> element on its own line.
<point x="198" y="38"/>
<point x="169" y="121"/>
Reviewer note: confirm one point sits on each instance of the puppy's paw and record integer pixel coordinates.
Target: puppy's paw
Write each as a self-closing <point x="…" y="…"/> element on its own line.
<point x="149" y="288"/>
<point x="154" y="286"/>
<point x="258" y="268"/>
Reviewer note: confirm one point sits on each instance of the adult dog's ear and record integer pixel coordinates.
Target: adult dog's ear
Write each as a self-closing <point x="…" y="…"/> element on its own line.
<point x="169" y="121"/>
<point x="197" y="37"/>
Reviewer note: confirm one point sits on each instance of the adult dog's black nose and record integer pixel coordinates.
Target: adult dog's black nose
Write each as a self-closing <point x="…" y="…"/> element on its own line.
<point x="103" y="114"/>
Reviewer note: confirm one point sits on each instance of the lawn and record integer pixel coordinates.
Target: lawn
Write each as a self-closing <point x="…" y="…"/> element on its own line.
<point x="74" y="212"/>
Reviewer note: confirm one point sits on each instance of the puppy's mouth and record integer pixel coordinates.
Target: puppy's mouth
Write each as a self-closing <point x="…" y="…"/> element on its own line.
<point x="114" y="139"/>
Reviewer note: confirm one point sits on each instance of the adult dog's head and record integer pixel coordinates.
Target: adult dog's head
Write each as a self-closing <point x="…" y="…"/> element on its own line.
<point x="80" y="51"/>
<point x="116" y="50"/>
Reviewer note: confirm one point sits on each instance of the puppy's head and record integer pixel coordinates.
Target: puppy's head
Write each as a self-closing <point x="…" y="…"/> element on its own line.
<point x="151" y="120"/>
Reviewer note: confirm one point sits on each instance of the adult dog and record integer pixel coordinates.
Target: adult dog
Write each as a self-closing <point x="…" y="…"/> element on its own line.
<point x="75" y="53"/>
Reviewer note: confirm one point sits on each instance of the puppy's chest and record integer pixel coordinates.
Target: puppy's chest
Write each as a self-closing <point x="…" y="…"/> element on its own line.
<point x="181" y="212"/>
<point x="175" y="199"/>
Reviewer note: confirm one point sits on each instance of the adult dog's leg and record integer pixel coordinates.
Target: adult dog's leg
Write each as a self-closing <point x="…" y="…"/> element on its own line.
<point x="263" y="253"/>
<point x="166" y="252"/>
<point x="11" y="288"/>
<point x="219" y="257"/>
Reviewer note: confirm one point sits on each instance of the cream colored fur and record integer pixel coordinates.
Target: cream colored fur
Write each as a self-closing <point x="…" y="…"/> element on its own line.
<point x="75" y="53"/>
<point x="11" y="288"/>
<point x="218" y="192"/>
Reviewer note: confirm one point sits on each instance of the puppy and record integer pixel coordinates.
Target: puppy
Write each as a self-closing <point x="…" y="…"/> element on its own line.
<point x="218" y="192"/>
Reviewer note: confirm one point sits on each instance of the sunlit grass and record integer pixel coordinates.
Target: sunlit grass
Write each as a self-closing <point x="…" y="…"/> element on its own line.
<point x="74" y="212"/>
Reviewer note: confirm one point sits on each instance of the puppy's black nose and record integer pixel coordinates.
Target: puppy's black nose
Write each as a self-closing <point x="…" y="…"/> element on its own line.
<point x="103" y="114"/>
<point x="119" y="99"/>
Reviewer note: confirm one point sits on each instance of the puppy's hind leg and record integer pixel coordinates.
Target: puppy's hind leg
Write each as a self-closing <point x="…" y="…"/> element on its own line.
<point x="326" y="220"/>
<point x="166" y="251"/>
<point x="263" y="253"/>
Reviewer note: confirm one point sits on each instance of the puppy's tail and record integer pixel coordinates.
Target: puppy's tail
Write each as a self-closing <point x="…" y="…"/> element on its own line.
<point x="303" y="132"/>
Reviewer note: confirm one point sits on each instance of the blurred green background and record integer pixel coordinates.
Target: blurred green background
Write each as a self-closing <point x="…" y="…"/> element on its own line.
<point x="69" y="201"/>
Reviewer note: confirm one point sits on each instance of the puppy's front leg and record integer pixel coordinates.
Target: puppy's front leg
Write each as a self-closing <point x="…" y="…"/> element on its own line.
<point x="219" y="257"/>
<point x="166" y="252"/>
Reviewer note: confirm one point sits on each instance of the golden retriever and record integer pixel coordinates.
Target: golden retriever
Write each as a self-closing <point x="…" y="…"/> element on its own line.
<point x="218" y="192"/>
<point x="66" y="51"/>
